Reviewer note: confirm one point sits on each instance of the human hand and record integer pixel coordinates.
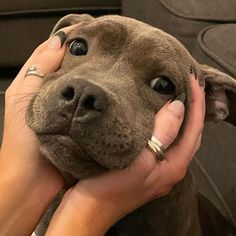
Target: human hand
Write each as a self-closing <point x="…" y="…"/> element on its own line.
<point x="29" y="182"/>
<point x="19" y="141"/>
<point x="105" y="199"/>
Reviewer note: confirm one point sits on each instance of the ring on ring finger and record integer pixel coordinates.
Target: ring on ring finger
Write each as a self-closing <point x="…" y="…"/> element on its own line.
<point x="157" y="148"/>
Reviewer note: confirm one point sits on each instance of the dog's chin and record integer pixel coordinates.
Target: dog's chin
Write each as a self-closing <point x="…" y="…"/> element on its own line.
<point x="77" y="161"/>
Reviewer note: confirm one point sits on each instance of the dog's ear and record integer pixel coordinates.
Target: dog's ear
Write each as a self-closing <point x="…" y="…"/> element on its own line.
<point x="71" y="19"/>
<point x="220" y="95"/>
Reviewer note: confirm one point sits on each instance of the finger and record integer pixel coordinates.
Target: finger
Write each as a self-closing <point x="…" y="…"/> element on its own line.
<point x="51" y="43"/>
<point x="47" y="60"/>
<point x="195" y="122"/>
<point x="166" y="127"/>
<point x="180" y="155"/>
<point x="168" y="121"/>
<point x="43" y="50"/>
<point x="40" y="57"/>
<point x="198" y="144"/>
<point x="162" y="193"/>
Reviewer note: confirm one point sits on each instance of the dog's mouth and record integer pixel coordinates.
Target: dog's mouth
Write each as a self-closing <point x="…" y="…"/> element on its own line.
<point x="86" y="151"/>
<point x="83" y="129"/>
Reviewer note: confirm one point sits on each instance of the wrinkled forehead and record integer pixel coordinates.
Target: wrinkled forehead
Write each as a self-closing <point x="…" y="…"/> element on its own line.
<point x="100" y="28"/>
<point x="140" y="44"/>
<point x="120" y="30"/>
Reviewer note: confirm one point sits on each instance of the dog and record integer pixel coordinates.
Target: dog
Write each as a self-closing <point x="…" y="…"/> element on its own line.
<point x="96" y="112"/>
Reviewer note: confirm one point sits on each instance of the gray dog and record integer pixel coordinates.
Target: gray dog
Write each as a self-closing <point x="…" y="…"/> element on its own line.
<point x="96" y="113"/>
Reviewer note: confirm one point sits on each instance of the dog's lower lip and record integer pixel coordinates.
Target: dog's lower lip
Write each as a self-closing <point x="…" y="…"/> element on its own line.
<point x="40" y="134"/>
<point x="52" y="133"/>
<point x="55" y="135"/>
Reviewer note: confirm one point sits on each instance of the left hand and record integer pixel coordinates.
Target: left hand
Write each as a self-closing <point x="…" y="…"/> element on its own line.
<point x="29" y="182"/>
<point x="20" y="145"/>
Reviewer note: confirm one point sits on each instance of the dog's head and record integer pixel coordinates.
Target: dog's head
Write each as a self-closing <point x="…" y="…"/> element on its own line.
<point x="96" y="112"/>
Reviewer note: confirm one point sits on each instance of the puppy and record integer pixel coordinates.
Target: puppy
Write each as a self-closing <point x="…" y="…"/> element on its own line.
<point x="96" y="113"/>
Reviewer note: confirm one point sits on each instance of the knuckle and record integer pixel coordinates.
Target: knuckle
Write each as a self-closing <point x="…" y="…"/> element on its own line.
<point x="160" y="193"/>
<point x="201" y="126"/>
<point x="180" y="172"/>
<point x="39" y="48"/>
<point x="185" y="149"/>
<point x="198" y="144"/>
<point x="168" y="137"/>
<point x="200" y="123"/>
<point x="167" y="129"/>
<point x="167" y="191"/>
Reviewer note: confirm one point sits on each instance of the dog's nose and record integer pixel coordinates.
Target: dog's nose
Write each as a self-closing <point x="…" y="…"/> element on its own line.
<point x="86" y="100"/>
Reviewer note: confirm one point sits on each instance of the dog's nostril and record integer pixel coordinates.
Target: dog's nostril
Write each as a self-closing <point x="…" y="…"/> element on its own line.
<point x="89" y="103"/>
<point x="68" y="93"/>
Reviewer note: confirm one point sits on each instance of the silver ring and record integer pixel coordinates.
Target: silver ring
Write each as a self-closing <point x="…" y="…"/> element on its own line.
<point x="33" y="71"/>
<point x="157" y="148"/>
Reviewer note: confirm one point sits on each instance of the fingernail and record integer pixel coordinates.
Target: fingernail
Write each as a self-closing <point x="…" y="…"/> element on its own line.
<point x="181" y="97"/>
<point x="57" y="40"/>
<point x="177" y="108"/>
<point x="202" y="84"/>
<point x="193" y="72"/>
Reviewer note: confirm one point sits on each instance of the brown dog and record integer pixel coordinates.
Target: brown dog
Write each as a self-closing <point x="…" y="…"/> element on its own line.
<point x="96" y="112"/>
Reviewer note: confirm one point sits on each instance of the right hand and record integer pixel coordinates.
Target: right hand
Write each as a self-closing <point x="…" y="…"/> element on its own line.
<point x="105" y="199"/>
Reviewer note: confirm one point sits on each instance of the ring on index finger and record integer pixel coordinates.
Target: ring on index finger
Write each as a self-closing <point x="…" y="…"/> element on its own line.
<point x="32" y="70"/>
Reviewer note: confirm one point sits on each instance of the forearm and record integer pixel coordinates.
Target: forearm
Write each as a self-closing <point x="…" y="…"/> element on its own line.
<point x="80" y="215"/>
<point x="24" y="196"/>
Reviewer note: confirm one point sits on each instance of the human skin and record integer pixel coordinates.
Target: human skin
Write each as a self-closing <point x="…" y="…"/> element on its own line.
<point x="29" y="182"/>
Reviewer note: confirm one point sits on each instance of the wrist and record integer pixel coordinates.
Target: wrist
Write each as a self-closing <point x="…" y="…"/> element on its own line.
<point x="26" y="189"/>
<point x="78" y="212"/>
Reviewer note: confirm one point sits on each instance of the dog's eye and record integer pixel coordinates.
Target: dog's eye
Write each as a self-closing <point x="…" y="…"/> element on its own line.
<point x="78" y="47"/>
<point x="163" y="85"/>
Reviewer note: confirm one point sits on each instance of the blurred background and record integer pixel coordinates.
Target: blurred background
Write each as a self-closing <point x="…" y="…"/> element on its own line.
<point x="206" y="27"/>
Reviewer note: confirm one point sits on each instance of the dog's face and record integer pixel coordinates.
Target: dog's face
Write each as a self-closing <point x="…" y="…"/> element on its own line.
<point x="96" y="112"/>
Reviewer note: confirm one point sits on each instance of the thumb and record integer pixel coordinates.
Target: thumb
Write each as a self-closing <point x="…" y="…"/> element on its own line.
<point x="169" y="120"/>
<point x="167" y="123"/>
